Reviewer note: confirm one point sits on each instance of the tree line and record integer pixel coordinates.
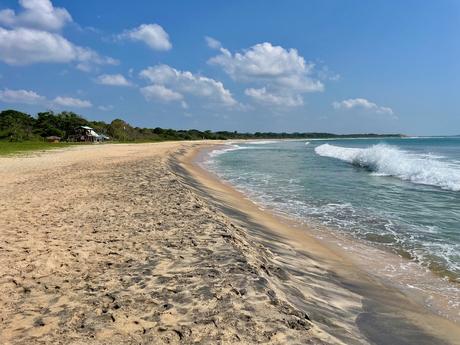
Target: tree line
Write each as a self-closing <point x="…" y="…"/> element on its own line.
<point x="19" y="126"/>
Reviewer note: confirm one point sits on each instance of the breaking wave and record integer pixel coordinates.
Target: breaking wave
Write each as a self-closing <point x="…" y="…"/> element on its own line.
<point x="385" y="160"/>
<point x="227" y="148"/>
<point x="262" y="142"/>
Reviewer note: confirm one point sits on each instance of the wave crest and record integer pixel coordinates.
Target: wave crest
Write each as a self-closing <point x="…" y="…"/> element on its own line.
<point x="385" y="160"/>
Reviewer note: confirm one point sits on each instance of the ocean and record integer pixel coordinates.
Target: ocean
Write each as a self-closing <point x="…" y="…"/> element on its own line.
<point x="398" y="195"/>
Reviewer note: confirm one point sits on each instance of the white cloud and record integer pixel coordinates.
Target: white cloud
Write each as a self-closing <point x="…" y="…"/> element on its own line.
<point x="265" y="62"/>
<point x="213" y="43"/>
<point x="113" y="80"/>
<point x="363" y="104"/>
<point x="32" y="38"/>
<point x="151" y="34"/>
<point x="185" y="82"/>
<point x="282" y="73"/>
<point x="160" y="92"/>
<point x="31" y="97"/>
<point x="37" y="14"/>
<point x="20" y="96"/>
<point x="72" y="102"/>
<point x="263" y="96"/>
<point x="27" y="46"/>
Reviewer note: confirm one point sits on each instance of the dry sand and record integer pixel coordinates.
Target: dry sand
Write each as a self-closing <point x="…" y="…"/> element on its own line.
<point x="133" y="244"/>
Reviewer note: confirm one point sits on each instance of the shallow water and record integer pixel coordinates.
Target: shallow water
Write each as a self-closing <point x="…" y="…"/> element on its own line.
<point x="402" y="195"/>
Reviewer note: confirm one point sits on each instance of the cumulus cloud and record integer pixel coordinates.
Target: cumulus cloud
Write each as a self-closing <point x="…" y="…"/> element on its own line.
<point x="262" y="61"/>
<point x="32" y="97"/>
<point x="185" y="82"/>
<point x="27" y="46"/>
<point x="263" y="96"/>
<point x="362" y="103"/>
<point x="31" y="37"/>
<point x="160" y="92"/>
<point x="21" y="96"/>
<point x="71" y="102"/>
<point x="37" y="14"/>
<point x="113" y="80"/>
<point x="282" y="73"/>
<point x="151" y="34"/>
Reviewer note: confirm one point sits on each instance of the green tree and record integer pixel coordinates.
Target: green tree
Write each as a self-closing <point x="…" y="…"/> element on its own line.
<point x="16" y="126"/>
<point x="46" y="123"/>
<point x="67" y="122"/>
<point x="120" y="130"/>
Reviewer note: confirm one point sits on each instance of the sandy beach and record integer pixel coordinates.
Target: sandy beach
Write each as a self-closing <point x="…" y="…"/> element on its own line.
<point x="136" y="244"/>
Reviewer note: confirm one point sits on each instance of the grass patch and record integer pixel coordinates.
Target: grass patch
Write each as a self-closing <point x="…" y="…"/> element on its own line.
<point x="8" y="148"/>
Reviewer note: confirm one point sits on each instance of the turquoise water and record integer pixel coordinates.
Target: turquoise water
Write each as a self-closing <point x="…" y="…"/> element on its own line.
<point x="402" y="195"/>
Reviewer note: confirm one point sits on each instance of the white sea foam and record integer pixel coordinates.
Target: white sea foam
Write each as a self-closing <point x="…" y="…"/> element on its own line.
<point x="227" y="148"/>
<point x="385" y="160"/>
<point x="262" y="142"/>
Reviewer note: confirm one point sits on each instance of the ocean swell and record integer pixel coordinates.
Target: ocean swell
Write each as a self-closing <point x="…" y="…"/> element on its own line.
<point x="386" y="160"/>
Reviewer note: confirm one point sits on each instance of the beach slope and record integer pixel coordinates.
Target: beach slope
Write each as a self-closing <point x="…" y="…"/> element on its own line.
<point x="106" y="245"/>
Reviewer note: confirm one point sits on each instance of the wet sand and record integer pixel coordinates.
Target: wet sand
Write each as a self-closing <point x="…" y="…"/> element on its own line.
<point x="135" y="244"/>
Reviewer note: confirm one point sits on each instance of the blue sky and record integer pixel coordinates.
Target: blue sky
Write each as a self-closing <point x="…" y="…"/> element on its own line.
<point x="336" y="66"/>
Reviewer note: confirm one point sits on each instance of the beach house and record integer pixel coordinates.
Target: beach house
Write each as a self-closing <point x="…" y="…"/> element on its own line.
<point x="88" y="134"/>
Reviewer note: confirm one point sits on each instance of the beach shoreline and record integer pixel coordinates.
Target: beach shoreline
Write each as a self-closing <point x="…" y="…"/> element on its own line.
<point x="433" y="288"/>
<point x="351" y="272"/>
<point x="124" y="244"/>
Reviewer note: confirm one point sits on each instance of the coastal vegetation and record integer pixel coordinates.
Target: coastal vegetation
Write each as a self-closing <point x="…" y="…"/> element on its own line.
<point x="13" y="147"/>
<point x="16" y="126"/>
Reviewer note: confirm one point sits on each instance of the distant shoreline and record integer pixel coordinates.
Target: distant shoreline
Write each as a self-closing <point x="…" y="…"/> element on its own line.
<point x="66" y="126"/>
